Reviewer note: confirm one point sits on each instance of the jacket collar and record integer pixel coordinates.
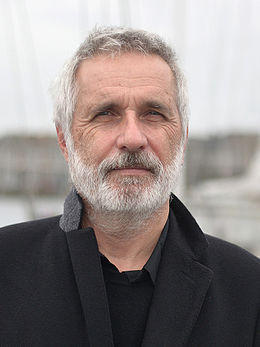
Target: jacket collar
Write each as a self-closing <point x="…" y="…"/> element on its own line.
<point x="72" y="213"/>
<point x="188" y="236"/>
<point x="87" y="270"/>
<point x="182" y="282"/>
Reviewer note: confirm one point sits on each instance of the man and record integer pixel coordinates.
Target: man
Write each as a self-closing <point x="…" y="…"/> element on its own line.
<point x="126" y="264"/>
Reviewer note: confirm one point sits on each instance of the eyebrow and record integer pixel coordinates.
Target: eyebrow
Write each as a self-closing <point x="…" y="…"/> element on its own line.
<point x="156" y="105"/>
<point x="111" y="105"/>
<point x="103" y="106"/>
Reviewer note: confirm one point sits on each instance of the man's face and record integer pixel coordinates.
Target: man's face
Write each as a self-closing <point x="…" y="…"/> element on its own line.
<point x="126" y="131"/>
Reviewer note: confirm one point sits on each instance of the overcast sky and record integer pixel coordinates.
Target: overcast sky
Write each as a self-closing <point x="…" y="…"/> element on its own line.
<point x="217" y="42"/>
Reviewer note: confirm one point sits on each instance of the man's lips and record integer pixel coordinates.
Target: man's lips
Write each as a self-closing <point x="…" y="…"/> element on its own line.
<point x="132" y="170"/>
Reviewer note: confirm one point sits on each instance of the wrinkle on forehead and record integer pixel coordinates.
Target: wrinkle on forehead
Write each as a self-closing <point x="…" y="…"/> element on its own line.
<point x="119" y="97"/>
<point x="129" y="76"/>
<point x="130" y="66"/>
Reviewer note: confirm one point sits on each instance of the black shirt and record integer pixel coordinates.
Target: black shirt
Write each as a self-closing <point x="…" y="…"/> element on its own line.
<point x="129" y="296"/>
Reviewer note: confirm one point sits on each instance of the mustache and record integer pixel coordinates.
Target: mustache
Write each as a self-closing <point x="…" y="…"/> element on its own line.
<point x="141" y="160"/>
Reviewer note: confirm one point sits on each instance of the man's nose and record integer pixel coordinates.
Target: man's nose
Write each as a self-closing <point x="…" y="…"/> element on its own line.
<point x="131" y="137"/>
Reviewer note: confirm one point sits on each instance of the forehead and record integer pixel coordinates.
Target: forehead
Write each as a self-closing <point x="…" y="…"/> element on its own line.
<point x="128" y="70"/>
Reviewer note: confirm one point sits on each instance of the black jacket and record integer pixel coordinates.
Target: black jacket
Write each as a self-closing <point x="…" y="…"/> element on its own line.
<point x="52" y="292"/>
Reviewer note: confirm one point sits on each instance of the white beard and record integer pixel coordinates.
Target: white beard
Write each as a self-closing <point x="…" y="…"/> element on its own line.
<point x="129" y="195"/>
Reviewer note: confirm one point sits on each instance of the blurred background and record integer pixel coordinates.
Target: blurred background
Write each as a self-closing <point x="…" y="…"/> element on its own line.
<point x="218" y="47"/>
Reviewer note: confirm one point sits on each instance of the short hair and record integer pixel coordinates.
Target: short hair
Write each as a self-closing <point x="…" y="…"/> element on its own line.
<point x="112" y="40"/>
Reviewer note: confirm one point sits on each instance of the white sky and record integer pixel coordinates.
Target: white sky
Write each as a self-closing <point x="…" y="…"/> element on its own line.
<point x="218" y="43"/>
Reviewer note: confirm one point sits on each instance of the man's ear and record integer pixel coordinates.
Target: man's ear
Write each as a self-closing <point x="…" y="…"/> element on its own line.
<point x="62" y="142"/>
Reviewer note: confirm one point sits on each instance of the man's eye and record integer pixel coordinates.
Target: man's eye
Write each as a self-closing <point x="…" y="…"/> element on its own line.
<point x="104" y="113"/>
<point x="154" y="115"/>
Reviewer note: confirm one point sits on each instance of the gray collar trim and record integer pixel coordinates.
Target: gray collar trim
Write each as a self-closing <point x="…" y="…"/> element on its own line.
<point x="73" y="208"/>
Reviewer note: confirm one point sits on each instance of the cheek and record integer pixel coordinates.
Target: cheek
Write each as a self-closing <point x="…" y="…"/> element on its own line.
<point x="93" y="145"/>
<point x="165" y="143"/>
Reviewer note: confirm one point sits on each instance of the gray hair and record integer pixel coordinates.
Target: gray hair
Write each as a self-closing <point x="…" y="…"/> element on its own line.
<point x="112" y="41"/>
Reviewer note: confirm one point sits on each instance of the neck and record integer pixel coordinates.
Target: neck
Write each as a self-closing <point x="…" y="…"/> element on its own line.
<point x="127" y="240"/>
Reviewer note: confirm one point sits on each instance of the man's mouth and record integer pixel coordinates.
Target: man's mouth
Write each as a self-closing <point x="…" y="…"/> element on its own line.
<point x="130" y="164"/>
<point x="132" y="170"/>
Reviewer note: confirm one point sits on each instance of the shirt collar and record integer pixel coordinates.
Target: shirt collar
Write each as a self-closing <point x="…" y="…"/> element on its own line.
<point x="153" y="262"/>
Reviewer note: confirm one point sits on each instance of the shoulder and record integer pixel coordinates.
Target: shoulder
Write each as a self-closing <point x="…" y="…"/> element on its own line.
<point x="38" y="224"/>
<point x="225" y="250"/>
<point x="24" y="234"/>
<point x="233" y="262"/>
<point x="30" y="249"/>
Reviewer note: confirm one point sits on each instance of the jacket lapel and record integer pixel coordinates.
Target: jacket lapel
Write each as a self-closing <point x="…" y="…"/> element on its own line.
<point x="89" y="278"/>
<point x="181" y="285"/>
